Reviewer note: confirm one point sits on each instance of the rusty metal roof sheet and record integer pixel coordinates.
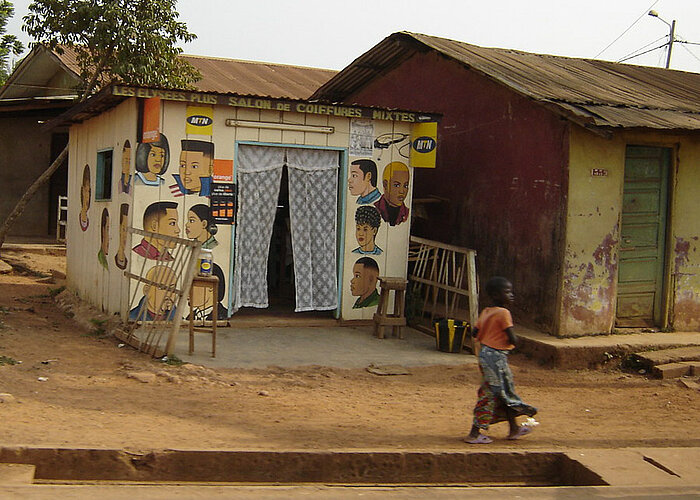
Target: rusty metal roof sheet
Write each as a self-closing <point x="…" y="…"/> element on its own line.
<point x="224" y="76"/>
<point x="231" y="76"/>
<point x="592" y="92"/>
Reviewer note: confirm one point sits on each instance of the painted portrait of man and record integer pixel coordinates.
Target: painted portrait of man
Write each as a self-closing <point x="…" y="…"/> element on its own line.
<point x="120" y="258"/>
<point x="160" y="217"/>
<point x="85" y="196"/>
<point x="196" y="167"/>
<point x="362" y="181"/>
<point x="158" y="302"/>
<point x="125" y="178"/>
<point x="104" y="239"/>
<point x="363" y="285"/>
<point x="395" y="182"/>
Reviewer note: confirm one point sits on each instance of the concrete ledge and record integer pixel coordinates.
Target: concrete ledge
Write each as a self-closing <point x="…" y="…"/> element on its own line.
<point x="11" y="474"/>
<point x="595" y="351"/>
<point x="406" y="467"/>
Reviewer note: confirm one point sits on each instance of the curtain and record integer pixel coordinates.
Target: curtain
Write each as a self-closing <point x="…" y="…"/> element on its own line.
<point x="259" y="174"/>
<point x="313" y="205"/>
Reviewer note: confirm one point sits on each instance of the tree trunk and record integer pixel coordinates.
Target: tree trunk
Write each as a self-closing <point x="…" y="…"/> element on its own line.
<point x="19" y="207"/>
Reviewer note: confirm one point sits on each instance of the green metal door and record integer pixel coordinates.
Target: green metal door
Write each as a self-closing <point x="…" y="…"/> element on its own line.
<point x="643" y="236"/>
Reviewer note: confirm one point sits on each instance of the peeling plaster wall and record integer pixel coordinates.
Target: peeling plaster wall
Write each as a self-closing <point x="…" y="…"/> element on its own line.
<point x="684" y="252"/>
<point x="587" y="301"/>
<point x="589" y="280"/>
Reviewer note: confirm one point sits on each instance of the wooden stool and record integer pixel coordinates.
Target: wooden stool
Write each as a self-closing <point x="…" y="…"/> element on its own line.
<point x="396" y="320"/>
<point x="211" y="282"/>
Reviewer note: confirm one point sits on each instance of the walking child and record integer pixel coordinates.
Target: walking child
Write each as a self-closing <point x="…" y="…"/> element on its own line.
<point x="497" y="400"/>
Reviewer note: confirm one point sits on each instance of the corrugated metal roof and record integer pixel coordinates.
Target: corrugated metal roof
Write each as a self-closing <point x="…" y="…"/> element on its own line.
<point x="225" y="76"/>
<point x="231" y="76"/>
<point x="593" y="92"/>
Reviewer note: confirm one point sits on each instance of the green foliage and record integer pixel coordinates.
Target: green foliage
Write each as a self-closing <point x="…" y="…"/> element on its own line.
<point x="5" y="360"/>
<point x="98" y="327"/>
<point x="9" y="44"/>
<point x="116" y="41"/>
<point x="172" y="360"/>
<point x="55" y="291"/>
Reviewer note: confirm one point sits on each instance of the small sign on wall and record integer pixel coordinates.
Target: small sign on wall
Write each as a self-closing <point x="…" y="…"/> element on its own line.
<point x="223" y="171"/>
<point x="151" y="120"/>
<point x="599" y="172"/>
<point x="223" y="203"/>
<point x="200" y="120"/>
<point x="423" y="145"/>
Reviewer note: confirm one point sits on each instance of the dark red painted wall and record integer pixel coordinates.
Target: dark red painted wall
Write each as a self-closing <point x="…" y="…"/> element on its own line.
<point x="502" y="163"/>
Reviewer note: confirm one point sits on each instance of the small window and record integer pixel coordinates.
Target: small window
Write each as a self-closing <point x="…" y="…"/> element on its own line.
<point x="103" y="187"/>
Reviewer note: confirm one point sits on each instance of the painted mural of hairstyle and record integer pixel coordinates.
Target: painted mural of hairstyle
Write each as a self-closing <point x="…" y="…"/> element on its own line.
<point x="123" y="211"/>
<point x="127" y="145"/>
<point x="394" y="166"/>
<point x="86" y="184"/>
<point x="367" y="167"/>
<point x="368" y="262"/>
<point x="495" y="285"/>
<point x="203" y="213"/>
<point x="144" y="149"/>
<point x="216" y="271"/>
<point x="199" y="146"/>
<point x="368" y="214"/>
<point x="157" y="209"/>
<point x="105" y="217"/>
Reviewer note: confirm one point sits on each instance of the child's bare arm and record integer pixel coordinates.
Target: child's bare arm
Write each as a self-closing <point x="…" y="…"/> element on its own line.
<point x="511" y="335"/>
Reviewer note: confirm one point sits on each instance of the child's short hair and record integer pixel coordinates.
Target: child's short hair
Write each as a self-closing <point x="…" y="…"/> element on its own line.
<point x="495" y="284"/>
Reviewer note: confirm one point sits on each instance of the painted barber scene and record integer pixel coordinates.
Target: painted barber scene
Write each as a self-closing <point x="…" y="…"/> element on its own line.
<point x="300" y="217"/>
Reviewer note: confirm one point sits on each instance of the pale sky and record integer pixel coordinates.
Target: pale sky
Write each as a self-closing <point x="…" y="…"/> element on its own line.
<point x="331" y="33"/>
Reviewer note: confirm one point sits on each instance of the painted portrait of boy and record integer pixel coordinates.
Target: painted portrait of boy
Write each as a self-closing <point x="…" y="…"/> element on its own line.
<point x="196" y="167"/>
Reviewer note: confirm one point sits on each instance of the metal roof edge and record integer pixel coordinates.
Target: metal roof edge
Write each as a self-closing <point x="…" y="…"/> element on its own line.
<point x="108" y="97"/>
<point x="37" y="51"/>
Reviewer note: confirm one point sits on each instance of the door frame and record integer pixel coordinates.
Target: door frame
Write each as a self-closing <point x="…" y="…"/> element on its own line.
<point x="340" y="236"/>
<point x="666" y="293"/>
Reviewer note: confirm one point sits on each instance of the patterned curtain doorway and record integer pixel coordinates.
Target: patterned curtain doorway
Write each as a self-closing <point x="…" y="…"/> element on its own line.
<point x="259" y="173"/>
<point x="313" y="210"/>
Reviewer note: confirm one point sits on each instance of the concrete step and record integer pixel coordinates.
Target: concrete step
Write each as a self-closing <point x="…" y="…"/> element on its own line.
<point x="676" y="370"/>
<point x="672" y="363"/>
<point x="671" y="355"/>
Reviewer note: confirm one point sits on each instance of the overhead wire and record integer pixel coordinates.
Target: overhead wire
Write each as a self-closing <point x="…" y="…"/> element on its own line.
<point x="629" y="28"/>
<point x="642" y="53"/>
<point x="690" y="51"/>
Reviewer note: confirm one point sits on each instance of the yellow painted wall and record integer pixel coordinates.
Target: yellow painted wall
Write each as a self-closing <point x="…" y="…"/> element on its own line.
<point x="109" y="289"/>
<point x="589" y="282"/>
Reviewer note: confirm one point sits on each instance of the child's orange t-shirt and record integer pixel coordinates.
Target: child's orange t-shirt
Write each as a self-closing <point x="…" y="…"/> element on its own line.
<point x="492" y="324"/>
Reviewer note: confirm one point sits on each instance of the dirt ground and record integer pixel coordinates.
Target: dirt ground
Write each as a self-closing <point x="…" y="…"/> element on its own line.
<point x="76" y="388"/>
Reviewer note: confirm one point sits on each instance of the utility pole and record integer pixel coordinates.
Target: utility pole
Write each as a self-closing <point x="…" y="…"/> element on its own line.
<point x="671" y="36"/>
<point x="671" y="39"/>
